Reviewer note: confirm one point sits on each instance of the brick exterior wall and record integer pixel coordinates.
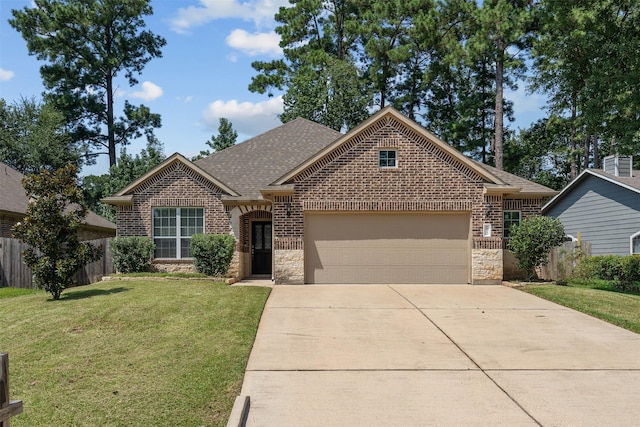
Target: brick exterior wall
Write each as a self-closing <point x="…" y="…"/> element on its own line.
<point x="175" y="186"/>
<point x="427" y="179"/>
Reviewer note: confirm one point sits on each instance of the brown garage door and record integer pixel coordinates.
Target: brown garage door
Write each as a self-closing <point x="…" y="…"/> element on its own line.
<point x="387" y="248"/>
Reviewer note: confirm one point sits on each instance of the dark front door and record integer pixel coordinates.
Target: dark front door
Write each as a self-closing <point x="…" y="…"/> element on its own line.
<point x="261" y="248"/>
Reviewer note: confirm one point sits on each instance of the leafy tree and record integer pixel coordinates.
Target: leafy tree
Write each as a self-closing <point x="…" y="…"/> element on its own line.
<point x="500" y="31"/>
<point x="586" y="62"/>
<point x="532" y="239"/>
<point x="226" y="138"/>
<point x="318" y="39"/>
<point x="541" y="153"/>
<point x="128" y="169"/>
<point x="50" y="228"/>
<point x="33" y="137"/>
<point x="87" y="44"/>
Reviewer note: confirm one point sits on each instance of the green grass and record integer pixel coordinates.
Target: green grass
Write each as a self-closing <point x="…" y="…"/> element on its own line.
<point x="164" y="275"/>
<point x="140" y="352"/>
<point x="14" y="292"/>
<point x="596" y="298"/>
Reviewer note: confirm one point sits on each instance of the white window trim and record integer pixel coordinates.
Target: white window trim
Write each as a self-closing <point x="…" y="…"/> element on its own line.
<point x="633" y="236"/>
<point x="569" y="236"/>
<point x="504" y="229"/>
<point x="395" y="150"/>
<point x="178" y="235"/>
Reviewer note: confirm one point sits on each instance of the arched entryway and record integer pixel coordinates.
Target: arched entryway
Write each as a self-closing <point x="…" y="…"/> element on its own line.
<point x="256" y="239"/>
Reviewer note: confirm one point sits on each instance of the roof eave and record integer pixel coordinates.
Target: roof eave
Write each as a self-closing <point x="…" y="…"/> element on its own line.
<point x="277" y="190"/>
<point x="232" y="201"/>
<point x="118" y="200"/>
<point x="497" y="189"/>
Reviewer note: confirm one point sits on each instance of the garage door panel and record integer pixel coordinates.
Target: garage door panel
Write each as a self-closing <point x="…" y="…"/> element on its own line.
<point x="387" y="248"/>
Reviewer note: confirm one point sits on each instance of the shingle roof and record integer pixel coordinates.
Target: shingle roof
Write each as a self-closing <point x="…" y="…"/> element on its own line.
<point x="528" y="187"/>
<point x="632" y="183"/>
<point x="251" y="165"/>
<point x="14" y="200"/>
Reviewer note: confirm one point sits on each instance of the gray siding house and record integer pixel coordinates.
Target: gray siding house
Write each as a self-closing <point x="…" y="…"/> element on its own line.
<point x="602" y="207"/>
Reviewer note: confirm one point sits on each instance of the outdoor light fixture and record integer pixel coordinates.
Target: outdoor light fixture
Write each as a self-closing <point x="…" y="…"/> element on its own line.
<point x="287" y="206"/>
<point x="488" y="211"/>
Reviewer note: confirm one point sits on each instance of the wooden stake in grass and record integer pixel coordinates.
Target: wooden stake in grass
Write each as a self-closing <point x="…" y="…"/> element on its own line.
<point x="8" y="408"/>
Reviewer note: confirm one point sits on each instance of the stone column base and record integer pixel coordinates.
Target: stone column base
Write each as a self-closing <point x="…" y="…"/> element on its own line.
<point x="486" y="266"/>
<point x="289" y="266"/>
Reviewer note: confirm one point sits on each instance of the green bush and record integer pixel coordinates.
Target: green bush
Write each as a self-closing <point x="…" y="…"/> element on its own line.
<point x="622" y="271"/>
<point x="532" y="240"/>
<point x="212" y="253"/>
<point x="604" y="267"/>
<point x="132" y="254"/>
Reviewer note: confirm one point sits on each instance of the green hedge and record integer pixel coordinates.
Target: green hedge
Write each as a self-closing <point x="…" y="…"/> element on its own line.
<point x="132" y="254"/>
<point x="212" y="253"/>
<point x="622" y="271"/>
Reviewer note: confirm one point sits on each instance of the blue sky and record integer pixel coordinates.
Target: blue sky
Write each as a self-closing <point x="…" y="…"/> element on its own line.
<point x="203" y="74"/>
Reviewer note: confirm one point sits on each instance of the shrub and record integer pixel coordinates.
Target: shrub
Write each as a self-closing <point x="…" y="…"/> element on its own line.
<point x="50" y="228"/>
<point x="532" y="239"/>
<point x="604" y="267"/>
<point x="212" y="253"/>
<point x="628" y="279"/>
<point x="132" y="254"/>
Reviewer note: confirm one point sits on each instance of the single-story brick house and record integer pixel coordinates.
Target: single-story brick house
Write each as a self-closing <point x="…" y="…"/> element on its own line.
<point x="13" y="205"/>
<point x="602" y="207"/>
<point x="388" y="202"/>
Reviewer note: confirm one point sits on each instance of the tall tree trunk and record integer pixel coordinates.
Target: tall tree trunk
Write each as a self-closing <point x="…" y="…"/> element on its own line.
<point x="110" y="125"/>
<point x="574" y="166"/>
<point x="587" y="151"/>
<point x="596" y="153"/>
<point x="499" y="119"/>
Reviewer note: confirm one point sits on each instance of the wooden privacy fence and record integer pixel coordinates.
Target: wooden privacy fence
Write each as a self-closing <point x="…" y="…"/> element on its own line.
<point x="8" y="408"/>
<point x="15" y="273"/>
<point x="563" y="260"/>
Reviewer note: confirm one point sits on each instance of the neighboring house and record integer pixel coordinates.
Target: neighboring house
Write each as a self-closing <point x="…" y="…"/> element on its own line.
<point x="387" y="202"/>
<point x="13" y="205"/>
<point x="602" y="207"/>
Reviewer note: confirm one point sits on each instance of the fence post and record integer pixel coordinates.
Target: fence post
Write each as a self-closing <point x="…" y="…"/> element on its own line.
<point x="8" y="408"/>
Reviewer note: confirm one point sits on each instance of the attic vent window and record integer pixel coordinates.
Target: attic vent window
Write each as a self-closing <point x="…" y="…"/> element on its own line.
<point x="388" y="158"/>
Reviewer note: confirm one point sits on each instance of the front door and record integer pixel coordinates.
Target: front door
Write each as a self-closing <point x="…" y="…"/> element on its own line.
<point x="261" y="247"/>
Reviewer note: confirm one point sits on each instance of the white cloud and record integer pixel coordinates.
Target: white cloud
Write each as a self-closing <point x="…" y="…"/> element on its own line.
<point x="248" y="118"/>
<point x="6" y="75"/>
<point x="256" y="43"/>
<point x="258" y="11"/>
<point x="149" y="92"/>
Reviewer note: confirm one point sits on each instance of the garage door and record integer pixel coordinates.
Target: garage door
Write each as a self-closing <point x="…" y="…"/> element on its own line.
<point x="387" y="248"/>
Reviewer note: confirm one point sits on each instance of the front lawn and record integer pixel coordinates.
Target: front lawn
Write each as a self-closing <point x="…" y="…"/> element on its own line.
<point x="136" y="352"/>
<point x="597" y="298"/>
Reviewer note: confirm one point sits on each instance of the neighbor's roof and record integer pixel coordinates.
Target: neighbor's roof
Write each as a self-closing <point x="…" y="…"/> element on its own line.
<point x="631" y="183"/>
<point x="13" y="199"/>
<point x="527" y="187"/>
<point x="252" y="165"/>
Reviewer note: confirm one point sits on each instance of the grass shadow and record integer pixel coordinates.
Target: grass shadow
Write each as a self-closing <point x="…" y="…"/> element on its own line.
<point x="89" y="293"/>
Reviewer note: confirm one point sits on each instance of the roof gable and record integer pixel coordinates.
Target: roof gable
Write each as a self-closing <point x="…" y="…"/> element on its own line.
<point x="629" y="183"/>
<point x="170" y="161"/>
<point x="382" y="118"/>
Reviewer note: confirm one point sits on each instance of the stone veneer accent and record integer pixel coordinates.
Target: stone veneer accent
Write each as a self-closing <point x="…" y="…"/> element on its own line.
<point x="486" y="266"/>
<point x="289" y="266"/>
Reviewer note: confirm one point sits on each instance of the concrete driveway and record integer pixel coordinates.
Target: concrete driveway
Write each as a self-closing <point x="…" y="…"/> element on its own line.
<point x="424" y="355"/>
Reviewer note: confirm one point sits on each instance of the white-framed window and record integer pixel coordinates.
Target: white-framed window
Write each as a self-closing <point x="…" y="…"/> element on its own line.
<point x="510" y="218"/>
<point x="173" y="228"/>
<point x="635" y="244"/>
<point x="388" y="158"/>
